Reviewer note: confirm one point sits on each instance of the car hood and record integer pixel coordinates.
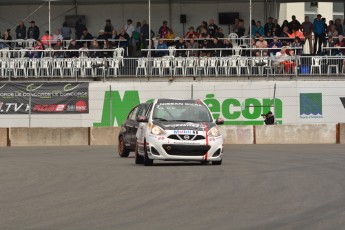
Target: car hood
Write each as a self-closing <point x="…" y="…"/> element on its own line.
<point x="178" y="125"/>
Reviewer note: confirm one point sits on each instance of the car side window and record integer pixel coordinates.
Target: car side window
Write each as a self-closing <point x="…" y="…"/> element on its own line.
<point x="132" y="115"/>
<point x="148" y="110"/>
<point x="142" y="110"/>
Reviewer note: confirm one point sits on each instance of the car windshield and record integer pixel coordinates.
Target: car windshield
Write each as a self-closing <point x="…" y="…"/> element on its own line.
<point x="182" y="111"/>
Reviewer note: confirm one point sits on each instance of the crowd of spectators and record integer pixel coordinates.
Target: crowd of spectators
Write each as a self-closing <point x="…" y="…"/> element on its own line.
<point x="206" y="39"/>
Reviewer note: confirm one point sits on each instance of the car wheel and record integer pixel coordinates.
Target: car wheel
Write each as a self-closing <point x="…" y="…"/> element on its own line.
<point x="138" y="159"/>
<point x="217" y="162"/>
<point x="147" y="160"/>
<point x="121" y="147"/>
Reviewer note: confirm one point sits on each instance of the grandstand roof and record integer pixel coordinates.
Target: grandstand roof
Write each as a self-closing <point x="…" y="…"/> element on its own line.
<point x="99" y="2"/>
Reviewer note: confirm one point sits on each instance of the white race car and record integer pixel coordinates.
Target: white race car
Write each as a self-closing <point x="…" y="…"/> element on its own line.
<point x="178" y="130"/>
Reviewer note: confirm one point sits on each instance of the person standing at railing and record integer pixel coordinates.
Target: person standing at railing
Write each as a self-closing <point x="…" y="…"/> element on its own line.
<point x="37" y="50"/>
<point x="276" y="30"/>
<point x="101" y="37"/>
<point x="124" y="39"/>
<point x="275" y="46"/>
<point x="86" y="38"/>
<point x="58" y="49"/>
<point x="307" y="29"/>
<point x="94" y="49"/>
<point x="297" y="46"/>
<point x="319" y="33"/>
<point x="21" y="30"/>
<point x="33" y="31"/>
<point x="338" y="26"/>
<point x="162" y="48"/>
<point x="66" y="31"/>
<point x="212" y="28"/>
<point x="330" y="43"/>
<point x="163" y="30"/>
<point x="47" y="39"/>
<point x="191" y="33"/>
<point x="228" y="46"/>
<point x="108" y="28"/>
<point x="240" y="30"/>
<point x="259" y="29"/>
<point x="73" y="46"/>
<point x="278" y="64"/>
<point x="7" y="37"/>
<point x="234" y="27"/>
<point x="57" y="36"/>
<point x="269" y="26"/>
<point x="180" y="44"/>
<point x="193" y="45"/>
<point x="294" y="24"/>
<point x="130" y="29"/>
<point x="341" y="45"/>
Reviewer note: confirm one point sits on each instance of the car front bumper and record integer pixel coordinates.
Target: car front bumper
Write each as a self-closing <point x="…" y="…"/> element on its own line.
<point x="163" y="148"/>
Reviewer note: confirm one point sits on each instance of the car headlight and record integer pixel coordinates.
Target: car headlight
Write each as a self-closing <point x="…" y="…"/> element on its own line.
<point x="156" y="130"/>
<point x="214" y="132"/>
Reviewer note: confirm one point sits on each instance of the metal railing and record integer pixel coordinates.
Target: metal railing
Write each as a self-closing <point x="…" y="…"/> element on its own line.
<point x="111" y="63"/>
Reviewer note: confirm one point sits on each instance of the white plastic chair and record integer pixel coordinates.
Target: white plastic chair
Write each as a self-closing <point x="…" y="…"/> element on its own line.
<point x="223" y="65"/>
<point x="167" y="65"/>
<point x="68" y="67"/>
<point x="32" y="66"/>
<point x="88" y="69"/>
<point x="45" y="66"/>
<point x="238" y="50"/>
<point x="212" y="63"/>
<point x="332" y="66"/>
<point x="201" y="65"/>
<point x="57" y="65"/>
<point x="21" y="65"/>
<point x="157" y="65"/>
<point x="142" y="65"/>
<point x="243" y="65"/>
<point x="11" y="67"/>
<point x="190" y="65"/>
<point x="233" y="64"/>
<point x="114" y="66"/>
<point x="30" y="42"/>
<point x="179" y="65"/>
<point x="172" y="51"/>
<point x="316" y="63"/>
<point x="233" y="37"/>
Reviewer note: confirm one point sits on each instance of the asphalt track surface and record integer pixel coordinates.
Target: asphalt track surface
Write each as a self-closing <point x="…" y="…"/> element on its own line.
<point x="257" y="187"/>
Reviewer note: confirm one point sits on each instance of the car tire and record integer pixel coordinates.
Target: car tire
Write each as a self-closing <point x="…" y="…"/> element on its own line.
<point x="217" y="162"/>
<point x="138" y="159"/>
<point x="121" y="147"/>
<point x="147" y="160"/>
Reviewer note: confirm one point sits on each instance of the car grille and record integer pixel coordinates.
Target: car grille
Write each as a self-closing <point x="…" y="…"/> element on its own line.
<point x="186" y="150"/>
<point x="186" y="137"/>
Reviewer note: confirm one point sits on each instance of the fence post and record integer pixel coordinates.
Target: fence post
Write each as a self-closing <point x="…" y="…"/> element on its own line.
<point x="110" y="106"/>
<point x="30" y="106"/>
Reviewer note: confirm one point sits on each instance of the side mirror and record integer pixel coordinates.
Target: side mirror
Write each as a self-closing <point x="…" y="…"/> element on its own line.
<point x="220" y="121"/>
<point x="142" y="119"/>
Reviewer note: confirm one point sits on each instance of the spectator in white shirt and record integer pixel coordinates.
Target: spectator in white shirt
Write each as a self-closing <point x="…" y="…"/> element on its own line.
<point x="57" y="36"/>
<point x="130" y="28"/>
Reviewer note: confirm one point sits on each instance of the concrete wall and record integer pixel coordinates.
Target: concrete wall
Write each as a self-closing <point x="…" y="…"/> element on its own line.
<point x="280" y="134"/>
<point x="296" y="134"/>
<point x="104" y="135"/>
<point x="48" y="136"/>
<point x="342" y="133"/>
<point x="3" y="137"/>
<point x="237" y="134"/>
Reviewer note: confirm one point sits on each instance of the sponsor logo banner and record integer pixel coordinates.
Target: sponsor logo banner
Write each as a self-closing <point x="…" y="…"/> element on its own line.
<point x="311" y="106"/>
<point x="43" y="98"/>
